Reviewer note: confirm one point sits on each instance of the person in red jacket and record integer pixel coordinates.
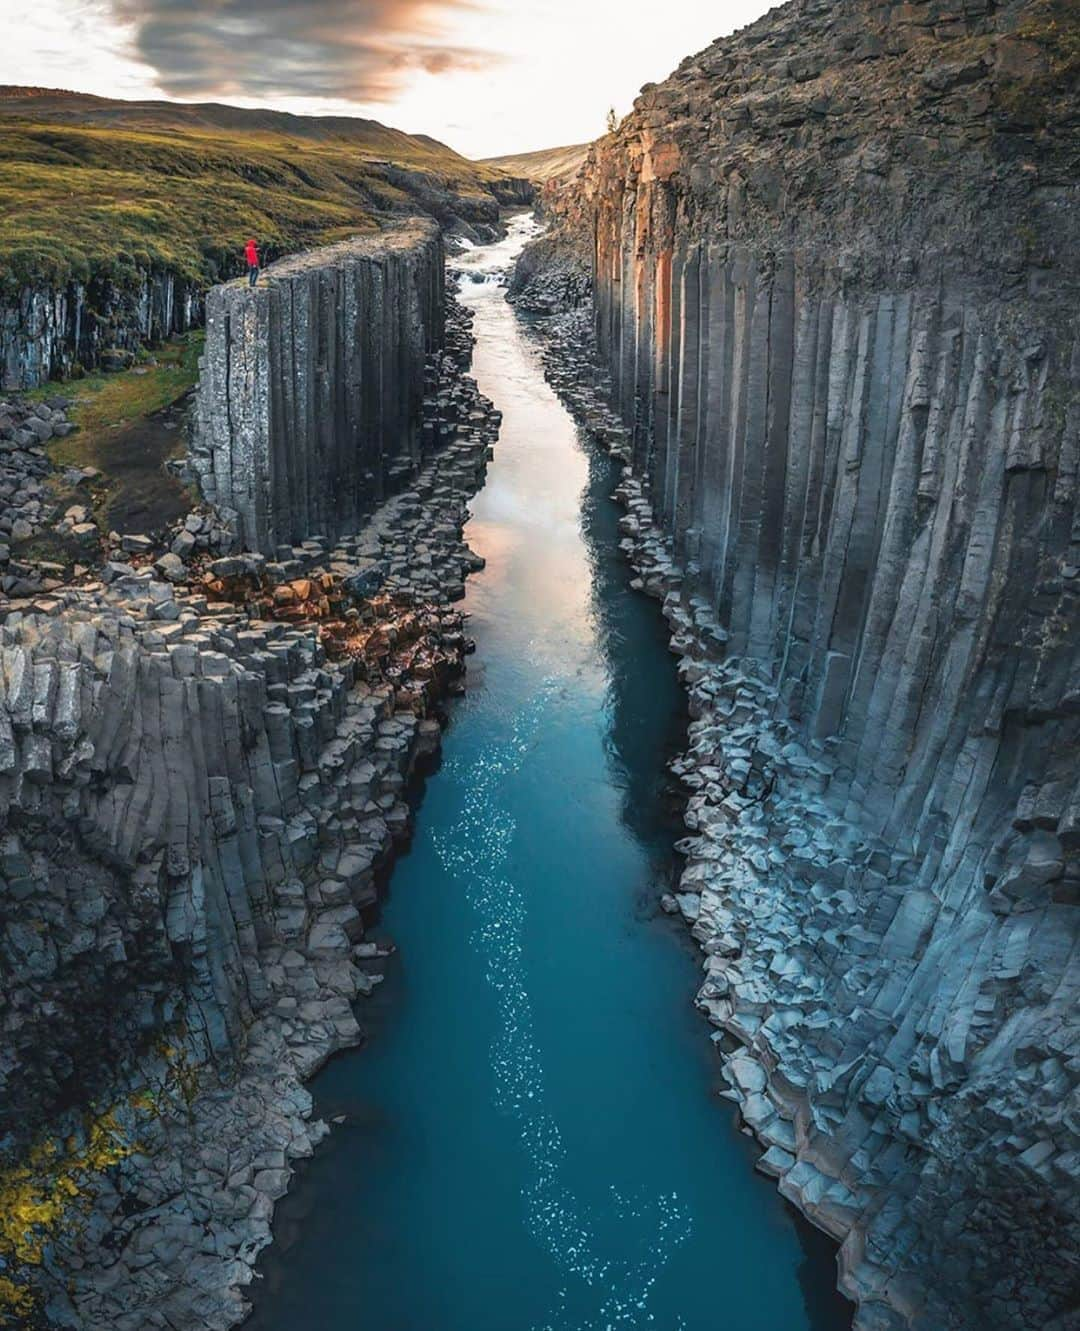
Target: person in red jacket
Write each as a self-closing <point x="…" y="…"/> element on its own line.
<point x="251" y="253"/>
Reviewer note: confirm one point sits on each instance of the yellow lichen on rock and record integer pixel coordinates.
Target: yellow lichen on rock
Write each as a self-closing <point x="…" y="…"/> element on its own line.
<point x="16" y="1302"/>
<point x="38" y="1194"/>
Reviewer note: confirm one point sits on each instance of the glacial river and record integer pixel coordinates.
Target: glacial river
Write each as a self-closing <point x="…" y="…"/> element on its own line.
<point x="532" y="1139"/>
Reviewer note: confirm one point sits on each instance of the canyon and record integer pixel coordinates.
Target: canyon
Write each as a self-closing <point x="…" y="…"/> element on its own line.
<point x="121" y="214"/>
<point x="812" y="307"/>
<point x="833" y="261"/>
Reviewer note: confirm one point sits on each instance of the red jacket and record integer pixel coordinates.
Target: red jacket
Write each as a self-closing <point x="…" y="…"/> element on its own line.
<point x="252" y="254"/>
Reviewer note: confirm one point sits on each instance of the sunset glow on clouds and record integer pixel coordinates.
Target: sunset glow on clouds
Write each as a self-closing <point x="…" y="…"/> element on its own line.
<point x="486" y="76"/>
<point x="357" y="50"/>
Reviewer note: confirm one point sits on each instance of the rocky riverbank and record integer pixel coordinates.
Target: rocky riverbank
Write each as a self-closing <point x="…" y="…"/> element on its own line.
<point x="833" y="258"/>
<point x="824" y="965"/>
<point x="203" y="763"/>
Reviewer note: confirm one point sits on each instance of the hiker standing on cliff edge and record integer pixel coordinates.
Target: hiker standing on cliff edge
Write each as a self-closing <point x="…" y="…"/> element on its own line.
<point x="251" y="253"/>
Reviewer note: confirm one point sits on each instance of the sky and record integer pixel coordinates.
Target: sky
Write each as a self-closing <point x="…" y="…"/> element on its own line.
<point x="485" y="76"/>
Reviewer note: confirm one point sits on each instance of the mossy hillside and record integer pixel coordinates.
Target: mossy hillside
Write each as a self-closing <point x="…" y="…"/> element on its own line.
<point x="559" y="165"/>
<point x="87" y="200"/>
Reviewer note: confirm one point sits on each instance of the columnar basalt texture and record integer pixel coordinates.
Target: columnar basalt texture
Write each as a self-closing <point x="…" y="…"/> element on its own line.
<point x="836" y="275"/>
<point x="203" y="769"/>
<point x="308" y="410"/>
<point x="49" y="332"/>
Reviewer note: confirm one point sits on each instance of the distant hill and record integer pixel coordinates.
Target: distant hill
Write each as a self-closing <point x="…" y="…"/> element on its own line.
<point x="369" y="137"/>
<point x="95" y="187"/>
<point x="549" y="164"/>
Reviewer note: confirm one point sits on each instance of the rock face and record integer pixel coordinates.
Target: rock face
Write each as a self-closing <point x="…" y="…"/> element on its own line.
<point x="25" y="429"/>
<point x="308" y="406"/>
<point x="202" y="769"/>
<point x="46" y="332"/>
<point x="835" y="273"/>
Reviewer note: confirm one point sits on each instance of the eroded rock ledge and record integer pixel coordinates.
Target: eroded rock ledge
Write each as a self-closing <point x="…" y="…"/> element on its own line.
<point x="202" y="770"/>
<point x="835" y="270"/>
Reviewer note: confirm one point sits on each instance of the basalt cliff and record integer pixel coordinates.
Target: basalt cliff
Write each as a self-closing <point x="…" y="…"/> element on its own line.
<point x="834" y="271"/>
<point x="204" y="752"/>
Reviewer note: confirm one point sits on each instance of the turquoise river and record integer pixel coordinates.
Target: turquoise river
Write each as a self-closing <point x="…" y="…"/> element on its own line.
<point x="532" y="1139"/>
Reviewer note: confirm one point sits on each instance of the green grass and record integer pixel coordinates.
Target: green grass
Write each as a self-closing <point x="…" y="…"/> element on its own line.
<point x="84" y="202"/>
<point x="103" y="404"/>
<point x="86" y="199"/>
<point x="106" y="407"/>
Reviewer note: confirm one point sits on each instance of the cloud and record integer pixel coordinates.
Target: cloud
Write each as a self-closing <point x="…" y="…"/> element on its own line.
<point x="353" y="50"/>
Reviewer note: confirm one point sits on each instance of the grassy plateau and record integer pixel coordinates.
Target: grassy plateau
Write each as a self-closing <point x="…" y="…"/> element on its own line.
<point x="93" y="187"/>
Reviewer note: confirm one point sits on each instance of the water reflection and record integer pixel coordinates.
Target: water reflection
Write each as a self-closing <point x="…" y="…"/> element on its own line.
<point x="530" y="1141"/>
<point x="647" y="707"/>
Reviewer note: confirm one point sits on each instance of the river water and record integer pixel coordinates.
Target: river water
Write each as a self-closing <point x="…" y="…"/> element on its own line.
<point x="532" y="1139"/>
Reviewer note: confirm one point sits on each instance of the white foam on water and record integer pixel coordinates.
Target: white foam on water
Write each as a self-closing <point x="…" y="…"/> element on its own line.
<point x="476" y="850"/>
<point x="491" y="264"/>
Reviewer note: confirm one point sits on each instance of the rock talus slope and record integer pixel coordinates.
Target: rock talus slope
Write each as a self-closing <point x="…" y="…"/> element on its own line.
<point x="835" y="268"/>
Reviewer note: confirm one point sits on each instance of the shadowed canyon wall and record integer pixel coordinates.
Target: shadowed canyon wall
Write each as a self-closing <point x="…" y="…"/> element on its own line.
<point x="309" y="400"/>
<point x="835" y="278"/>
<point x="49" y="331"/>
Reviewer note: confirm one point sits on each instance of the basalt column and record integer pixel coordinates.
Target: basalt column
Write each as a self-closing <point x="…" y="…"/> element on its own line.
<point x="835" y="276"/>
<point x="310" y="400"/>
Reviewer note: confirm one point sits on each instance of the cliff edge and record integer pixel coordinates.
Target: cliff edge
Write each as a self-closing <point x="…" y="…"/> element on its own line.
<point x="835" y="272"/>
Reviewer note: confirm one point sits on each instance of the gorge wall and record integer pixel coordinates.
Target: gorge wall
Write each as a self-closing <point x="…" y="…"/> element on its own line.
<point x="50" y="332"/>
<point x="203" y="766"/>
<point x="835" y="275"/>
<point x="318" y="373"/>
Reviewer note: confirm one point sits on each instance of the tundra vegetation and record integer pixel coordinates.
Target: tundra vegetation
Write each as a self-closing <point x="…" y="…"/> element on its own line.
<point x="100" y="188"/>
